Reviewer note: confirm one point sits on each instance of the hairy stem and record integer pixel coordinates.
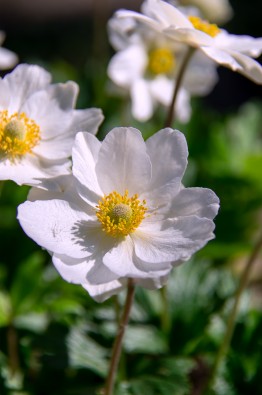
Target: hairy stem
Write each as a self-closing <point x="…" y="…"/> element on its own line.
<point x="232" y="317"/>
<point x="116" y="352"/>
<point x="171" y="112"/>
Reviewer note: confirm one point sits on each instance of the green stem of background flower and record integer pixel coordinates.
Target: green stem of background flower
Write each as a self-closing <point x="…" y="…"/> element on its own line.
<point x="12" y="344"/>
<point x="171" y="112"/>
<point x="116" y="352"/>
<point x="232" y="316"/>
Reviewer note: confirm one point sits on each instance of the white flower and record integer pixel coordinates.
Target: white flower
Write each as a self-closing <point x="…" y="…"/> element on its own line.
<point x="146" y="66"/>
<point x="8" y="58"/>
<point x="38" y="124"/>
<point x="124" y="213"/>
<point x="234" y="52"/>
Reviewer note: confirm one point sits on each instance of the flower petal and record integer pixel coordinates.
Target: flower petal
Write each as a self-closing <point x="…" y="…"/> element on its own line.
<point x="142" y="103"/>
<point x="249" y="67"/>
<point x="71" y="269"/>
<point x="103" y="291"/>
<point x="8" y="59"/>
<point x="195" y="201"/>
<point x="85" y="154"/>
<point x="127" y="65"/>
<point x="24" y="81"/>
<point x="61" y="226"/>
<point x="119" y="260"/>
<point x="123" y="163"/>
<point x="31" y="170"/>
<point x="170" y="147"/>
<point x="176" y="239"/>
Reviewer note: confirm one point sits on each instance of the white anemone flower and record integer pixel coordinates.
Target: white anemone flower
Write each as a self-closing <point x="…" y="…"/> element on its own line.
<point x="8" y="59"/>
<point x="232" y="51"/>
<point x="146" y="66"/>
<point x="38" y="124"/>
<point x="123" y="213"/>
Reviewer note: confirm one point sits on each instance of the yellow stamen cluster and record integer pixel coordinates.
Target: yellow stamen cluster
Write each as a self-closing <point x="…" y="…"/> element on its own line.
<point x="209" y="28"/>
<point x="120" y="215"/>
<point x="18" y="135"/>
<point x="161" y="61"/>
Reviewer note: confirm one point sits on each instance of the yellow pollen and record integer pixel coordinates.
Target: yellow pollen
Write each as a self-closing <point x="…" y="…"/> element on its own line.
<point x="161" y="61"/>
<point x="209" y="28"/>
<point x="18" y="135"/>
<point x="120" y="215"/>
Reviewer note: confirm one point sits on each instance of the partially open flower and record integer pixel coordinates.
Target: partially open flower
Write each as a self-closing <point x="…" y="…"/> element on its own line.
<point x="38" y="124"/>
<point x="234" y="52"/>
<point x="147" y="65"/>
<point x="127" y="214"/>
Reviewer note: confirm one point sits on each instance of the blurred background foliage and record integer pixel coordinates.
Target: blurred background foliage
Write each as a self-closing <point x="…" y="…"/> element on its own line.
<point x="54" y="339"/>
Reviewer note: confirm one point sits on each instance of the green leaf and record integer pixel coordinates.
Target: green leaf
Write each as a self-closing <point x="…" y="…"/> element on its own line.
<point x="84" y="352"/>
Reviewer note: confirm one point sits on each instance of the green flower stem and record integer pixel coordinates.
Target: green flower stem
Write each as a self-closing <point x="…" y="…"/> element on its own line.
<point x="12" y="344"/>
<point x="232" y="317"/>
<point x="171" y="112"/>
<point x="165" y="316"/>
<point x="116" y="352"/>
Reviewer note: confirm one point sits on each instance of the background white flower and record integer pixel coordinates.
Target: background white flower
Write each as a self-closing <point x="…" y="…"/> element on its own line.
<point x="8" y="59"/>
<point x="234" y="52"/>
<point x="146" y="65"/>
<point x="38" y="124"/>
<point x="124" y="214"/>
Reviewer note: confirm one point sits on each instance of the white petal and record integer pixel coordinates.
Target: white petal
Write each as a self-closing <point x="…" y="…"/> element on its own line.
<point x="85" y="120"/>
<point x="191" y="37"/>
<point x="8" y="59"/>
<point x="103" y="291"/>
<point x="159" y="200"/>
<point x="168" y="153"/>
<point x="166" y="14"/>
<point x="221" y="57"/>
<point x="5" y="94"/>
<point x="55" y="226"/>
<point x="244" y="44"/>
<point x="148" y="22"/>
<point x="201" y="75"/>
<point x="85" y="154"/>
<point x="100" y="274"/>
<point x="177" y="239"/>
<point x="119" y="260"/>
<point x="23" y="82"/>
<point x="45" y="110"/>
<point x="128" y="65"/>
<point x="123" y="162"/>
<point x="142" y="100"/>
<point x="195" y="201"/>
<point x="249" y="67"/>
<point x="71" y="269"/>
<point x="162" y="89"/>
<point x="30" y="170"/>
<point x="236" y="62"/>
<point x="61" y="187"/>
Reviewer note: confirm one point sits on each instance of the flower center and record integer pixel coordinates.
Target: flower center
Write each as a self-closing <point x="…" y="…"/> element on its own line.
<point x="120" y="215"/>
<point x="161" y="61"/>
<point x="209" y="28"/>
<point x="18" y="135"/>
